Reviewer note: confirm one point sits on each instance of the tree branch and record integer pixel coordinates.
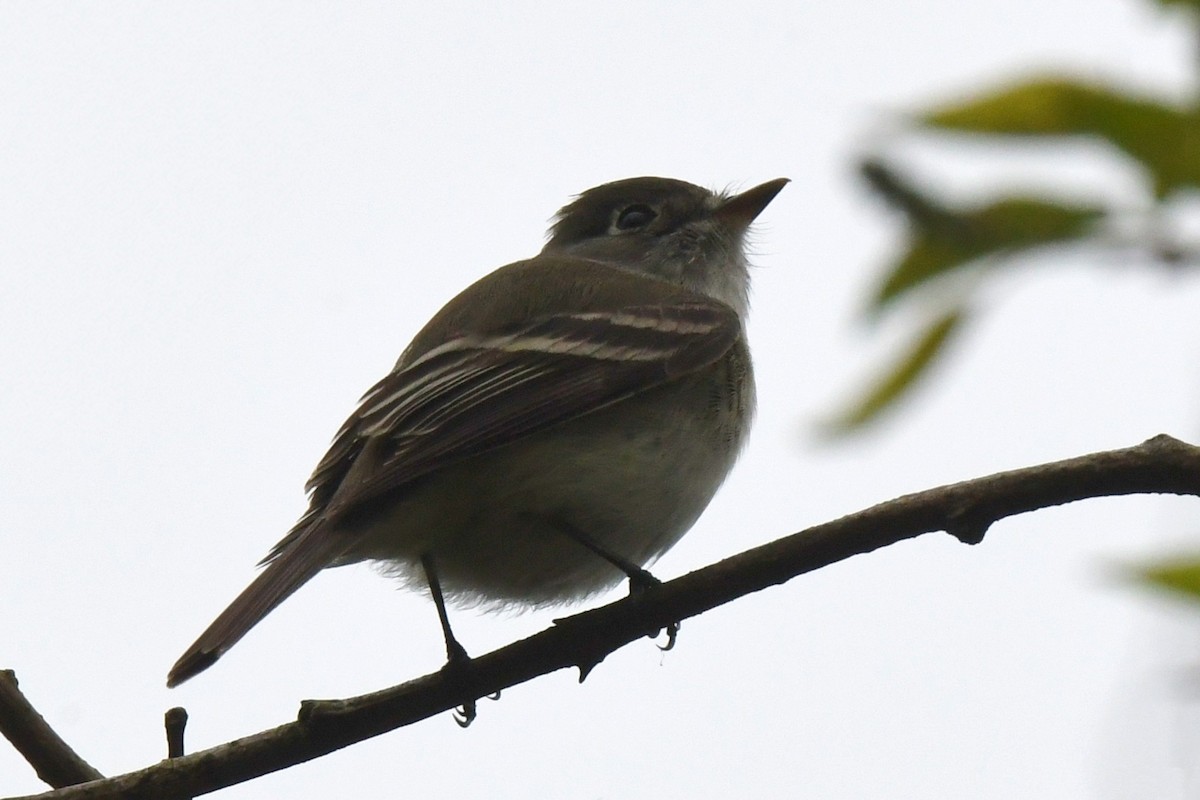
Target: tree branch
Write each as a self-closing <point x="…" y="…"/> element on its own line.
<point x="52" y="758"/>
<point x="966" y="510"/>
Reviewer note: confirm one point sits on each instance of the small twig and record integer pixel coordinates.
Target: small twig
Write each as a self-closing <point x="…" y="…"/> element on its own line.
<point x="967" y="509"/>
<point x="52" y="758"/>
<point x="175" y="721"/>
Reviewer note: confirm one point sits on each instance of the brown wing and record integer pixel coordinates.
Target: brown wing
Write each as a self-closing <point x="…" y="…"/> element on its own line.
<point x="473" y="394"/>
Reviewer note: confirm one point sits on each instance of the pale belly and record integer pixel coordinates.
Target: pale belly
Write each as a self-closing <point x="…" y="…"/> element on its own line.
<point x="632" y="478"/>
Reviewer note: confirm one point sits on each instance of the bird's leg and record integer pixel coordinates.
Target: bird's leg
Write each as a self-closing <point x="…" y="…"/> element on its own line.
<point x="456" y="654"/>
<point x="639" y="579"/>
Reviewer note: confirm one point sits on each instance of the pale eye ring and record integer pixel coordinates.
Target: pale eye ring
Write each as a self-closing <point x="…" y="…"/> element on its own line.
<point x="635" y="216"/>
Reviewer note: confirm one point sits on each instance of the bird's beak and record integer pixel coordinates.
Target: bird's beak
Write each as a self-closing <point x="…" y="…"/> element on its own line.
<point x="741" y="209"/>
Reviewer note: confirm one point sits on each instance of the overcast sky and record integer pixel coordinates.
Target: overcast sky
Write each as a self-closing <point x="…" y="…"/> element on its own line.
<point x="220" y="223"/>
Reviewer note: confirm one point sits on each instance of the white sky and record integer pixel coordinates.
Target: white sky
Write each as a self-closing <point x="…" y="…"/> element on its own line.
<point x="220" y="223"/>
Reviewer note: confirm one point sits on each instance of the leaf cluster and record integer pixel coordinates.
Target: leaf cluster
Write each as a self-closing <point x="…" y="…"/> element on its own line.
<point x="950" y="249"/>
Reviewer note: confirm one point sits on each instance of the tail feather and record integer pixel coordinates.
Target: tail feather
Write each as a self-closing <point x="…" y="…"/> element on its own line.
<point x="286" y="573"/>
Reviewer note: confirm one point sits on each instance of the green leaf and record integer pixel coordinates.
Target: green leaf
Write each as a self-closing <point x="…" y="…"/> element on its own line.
<point x="957" y="238"/>
<point x="1180" y="575"/>
<point x="1165" y="139"/>
<point x="897" y="381"/>
<point x="904" y="194"/>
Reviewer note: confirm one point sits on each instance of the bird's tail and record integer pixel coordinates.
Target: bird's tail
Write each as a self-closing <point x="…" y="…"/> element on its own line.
<point x="285" y="573"/>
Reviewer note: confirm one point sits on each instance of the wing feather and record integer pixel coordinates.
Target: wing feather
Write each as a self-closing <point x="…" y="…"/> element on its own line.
<point x="472" y="394"/>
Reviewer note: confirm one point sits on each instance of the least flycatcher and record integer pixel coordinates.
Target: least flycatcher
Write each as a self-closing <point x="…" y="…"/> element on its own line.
<point x="554" y="428"/>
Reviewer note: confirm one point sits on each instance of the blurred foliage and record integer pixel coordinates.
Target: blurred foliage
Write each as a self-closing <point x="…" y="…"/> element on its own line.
<point x="1180" y="575"/>
<point x="886" y="388"/>
<point x="1163" y="139"/>
<point x="944" y="240"/>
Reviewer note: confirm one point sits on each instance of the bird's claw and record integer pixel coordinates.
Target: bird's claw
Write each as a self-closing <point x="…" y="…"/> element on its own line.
<point x="465" y="714"/>
<point x="641" y="580"/>
<point x="672" y="635"/>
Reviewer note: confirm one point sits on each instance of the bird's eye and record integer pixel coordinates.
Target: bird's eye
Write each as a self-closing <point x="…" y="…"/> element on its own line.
<point x="635" y="216"/>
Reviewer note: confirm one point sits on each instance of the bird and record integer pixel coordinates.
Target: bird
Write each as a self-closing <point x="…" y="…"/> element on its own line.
<point x="553" y="429"/>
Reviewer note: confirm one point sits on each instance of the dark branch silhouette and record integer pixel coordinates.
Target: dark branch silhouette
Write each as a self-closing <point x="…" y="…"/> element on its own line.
<point x="51" y="758"/>
<point x="965" y="510"/>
